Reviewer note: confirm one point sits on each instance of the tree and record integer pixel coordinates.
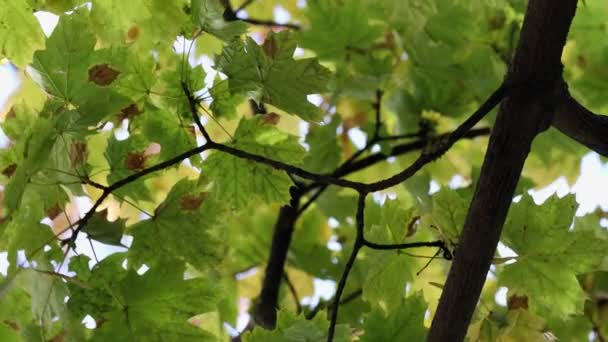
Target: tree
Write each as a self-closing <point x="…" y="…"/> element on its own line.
<point x="225" y="183"/>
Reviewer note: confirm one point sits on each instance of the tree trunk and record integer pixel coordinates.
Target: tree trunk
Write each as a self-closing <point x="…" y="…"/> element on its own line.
<point x="534" y="84"/>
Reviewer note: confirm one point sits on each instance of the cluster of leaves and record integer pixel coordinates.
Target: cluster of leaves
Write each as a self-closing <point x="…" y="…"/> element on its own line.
<point x="109" y="114"/>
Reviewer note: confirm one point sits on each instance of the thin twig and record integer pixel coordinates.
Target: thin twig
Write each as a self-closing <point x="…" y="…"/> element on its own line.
<point x="69" y="279"/>
<point x="425" y="157"/>
<point x="312" y="199"/>
<point x="347" y="268"/>
<point x="294" y="293"/>
<point x="322" y="304"/>
<point x="192" y="102"/>
<point x="378" y="108"/>
<point x="270" y="23"/>
<point x="323" y="179"/>
<point x="351" y="297"/>
<point x="428" y="262"/>
<point x="440" y="244"/>
<point x="231" y="15"/>
<point x="428" y="157"/>
<point x="107" y="190"/>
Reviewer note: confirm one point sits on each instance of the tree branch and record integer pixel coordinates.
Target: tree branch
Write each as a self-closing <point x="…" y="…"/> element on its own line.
<point x="231" y="15"/>
<point x="438" y="149"/>
<point x="444" y="145"/>
<point x="399" y="150"/>
<point x="265" y="311"/>
<point x="270" y="23"/>
<point x="440" y="244"/>
<point x="194" y="112"/>
<point x="266" y="307"/>
<point x="347" y="268"/>
<point x="283" y="231"/>
<point x="580" y="124"/>
<point x="294" y="170"/>
<point x="536" y="72"/>
<point x="127" y="180"/>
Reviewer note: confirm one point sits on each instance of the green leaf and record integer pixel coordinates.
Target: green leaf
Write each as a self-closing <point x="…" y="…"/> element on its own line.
<point x="165" y="129"/>
<point x="451" y="23"/>
<point x="292" y="328"/>
<point x="144" y="22"/>
<point x="514" y="325"/>
<point x="386" y="275"/>
<point x="209" y="14"/>
<point x="15" y="314"/>
<point x="97" y="298"/>
<point x="156" y="306"/>
<point x="524" y="326"/>
<point x="65" y="70"/>
<point x="100" y="229"/>
<point x="47" y="293"/>
<point x="137" y="72"/>
<point x="573" y="328"/>
<point x="325" y="153"/>
<point x="270" y="74"/>
<point x="180" y="229"/>
<point x="224" y="103"/>
<point x="20" y="32"/>
<point x="386" y="272"/>
<point x="169" y="86"/>
<point x="236" y="180"/>
<point x="585" y="58"/>
<point x="449" y="210"/>
<point x="388" y="223"/>
<point x="63" y="64"/>
<point x="550" y="255"/>
<point x="553" y="155"/>
<point x="127" y="157"/>
<point x="337" y="203"/>
<point x="102" y="100"/>
<point x="403" y="324"/>
<point x="337" y="27"/>
<point x="308" y="250"/>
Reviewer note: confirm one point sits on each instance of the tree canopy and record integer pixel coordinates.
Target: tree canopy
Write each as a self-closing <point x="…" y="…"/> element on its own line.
<point x="228" y="157"/>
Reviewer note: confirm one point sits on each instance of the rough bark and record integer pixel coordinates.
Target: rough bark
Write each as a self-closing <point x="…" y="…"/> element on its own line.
<point x="535" y="84"/>
<point x="580" y="124"/>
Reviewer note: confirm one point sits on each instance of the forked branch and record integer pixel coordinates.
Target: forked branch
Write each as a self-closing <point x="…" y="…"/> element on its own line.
<point x="580" y="124"/>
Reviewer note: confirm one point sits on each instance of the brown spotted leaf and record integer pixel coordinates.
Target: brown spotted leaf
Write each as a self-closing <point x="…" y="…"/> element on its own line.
<point x="11" y="113"/>
<point x="271" y="118"/>
<point x="517" y="302"/>
<point x="102" y="74"/>
<point x="190" y="202"/>
<point x="135" y="161"/>
<point x="9" y="170"/>
<point x="129" y="111"/>
<point x="78" y="153"/>
<point x="133" y="33"/>
<point x="54" y="211"/>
